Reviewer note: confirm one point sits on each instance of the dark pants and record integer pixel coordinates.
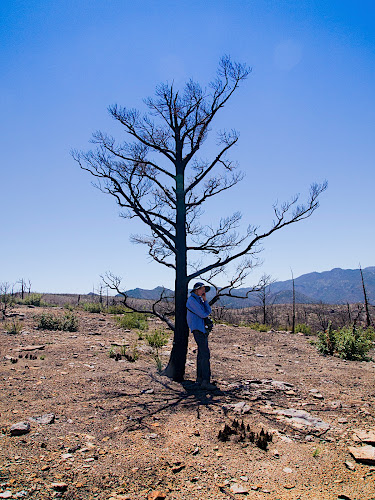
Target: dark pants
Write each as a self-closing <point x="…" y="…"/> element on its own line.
<point x="203" y="356"/>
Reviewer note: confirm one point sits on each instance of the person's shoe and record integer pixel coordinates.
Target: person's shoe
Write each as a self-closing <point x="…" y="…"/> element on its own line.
<point x="199" y="380"/>
<point x="207" y="386"/>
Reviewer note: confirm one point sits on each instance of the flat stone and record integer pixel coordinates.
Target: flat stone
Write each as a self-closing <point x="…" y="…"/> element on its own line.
<point x="241" y="407"/>
<point x="59" y="486"/>
<point x="365" y="436"/>
<point x="365" y="454"/>
<point x="48" y="418"/>
<point x="31" y="348"/>
<point x="282" y="386"/>
<point x="302" y="417"/>
<point x="6" y="494"/>
<point x="20" y="428"/>
<point x="238" y="489"/>
<point x="349" y="465"/>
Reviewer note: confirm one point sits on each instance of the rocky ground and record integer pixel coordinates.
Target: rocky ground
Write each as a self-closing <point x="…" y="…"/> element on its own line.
<point x="96" y="428"/>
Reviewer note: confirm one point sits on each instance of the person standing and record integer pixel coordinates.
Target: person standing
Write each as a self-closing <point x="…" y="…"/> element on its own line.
<point x="198" y="308"/>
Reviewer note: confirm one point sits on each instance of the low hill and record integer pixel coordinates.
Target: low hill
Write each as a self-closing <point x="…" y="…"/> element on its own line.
<point x="337" y="286"/>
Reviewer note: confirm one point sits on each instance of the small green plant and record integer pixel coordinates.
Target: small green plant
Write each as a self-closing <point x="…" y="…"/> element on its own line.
<point x="112" y="353"/>
<point x="132" y="320"/>
<point x="93" y="307"/>
<point x="69" y="307"/>
<point x="352" y="343"/>
<point x="259" y="327"/>
<point x="13" y="327"/>
<point x="68" y="323"/>
<point x="157" y="340"/>
<point x="303" y="328"/>
<point x="42" y="357"/>
<point x="316" y="452"/>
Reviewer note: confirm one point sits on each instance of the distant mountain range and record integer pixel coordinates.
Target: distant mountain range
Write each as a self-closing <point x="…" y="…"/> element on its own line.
<point x="337" y="286"/>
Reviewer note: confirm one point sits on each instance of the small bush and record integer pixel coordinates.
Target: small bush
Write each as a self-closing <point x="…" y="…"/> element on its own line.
<point x="259" y="327"/>
<point x="117" y="309"/>
<point x="93" y="307"/>
<point x="327" y="341"/>
<point x="156" y="340"/>
<point x="69" y="307"/>
<point x="34" y="299"/>
<point x="133" y="320"/>
<point x="303" y="328"/>
<point x="14" y="327"/>
<point x="352" y="343"/>
<point x="48" y="322"/>
<point x="68" y="323"/>
<point x="130" y="355"/>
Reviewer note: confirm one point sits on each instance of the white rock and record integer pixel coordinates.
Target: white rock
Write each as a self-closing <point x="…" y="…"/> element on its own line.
<point x="6" y="494"/>
<point x="238" y="489"/>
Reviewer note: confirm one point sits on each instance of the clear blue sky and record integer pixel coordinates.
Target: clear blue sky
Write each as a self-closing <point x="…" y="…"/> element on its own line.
<point x="306" y="113"/>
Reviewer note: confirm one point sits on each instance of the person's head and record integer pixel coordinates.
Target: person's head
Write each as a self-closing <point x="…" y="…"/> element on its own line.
<point x="200" y="288"/>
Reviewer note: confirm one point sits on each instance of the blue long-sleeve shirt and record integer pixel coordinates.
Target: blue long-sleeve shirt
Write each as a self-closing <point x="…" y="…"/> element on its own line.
<point x="197" y="310"/>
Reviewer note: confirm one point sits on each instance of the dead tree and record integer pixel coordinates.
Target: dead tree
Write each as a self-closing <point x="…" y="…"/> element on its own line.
<point x="293" y="305"/>
<point x="264" y="296"/>
<point x="6" y="299"/>
<point x="368" y="317"/>
<point x="159" y="179"/>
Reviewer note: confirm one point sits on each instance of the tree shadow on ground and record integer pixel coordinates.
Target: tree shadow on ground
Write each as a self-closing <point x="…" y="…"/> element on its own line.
<point x="172" y="397"/>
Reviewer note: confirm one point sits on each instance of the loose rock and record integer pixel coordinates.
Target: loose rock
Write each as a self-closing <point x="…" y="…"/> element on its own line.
<point x="48" y="418"/>
<point x="365" y="436"/>
<point x="20" y="428"/>
<point x="365" y="454"/>
<point x="238" y="489"/>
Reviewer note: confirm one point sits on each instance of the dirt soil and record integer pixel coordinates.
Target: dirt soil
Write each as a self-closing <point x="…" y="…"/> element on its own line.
<point x="122" y="431"/>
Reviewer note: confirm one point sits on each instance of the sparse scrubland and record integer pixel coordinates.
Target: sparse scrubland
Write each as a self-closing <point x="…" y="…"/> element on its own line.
<point x="120" y="430"/>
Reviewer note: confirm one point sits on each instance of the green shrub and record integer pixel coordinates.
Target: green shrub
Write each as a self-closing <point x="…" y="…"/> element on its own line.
<point x="117" y="309"/>
<point x="327" y="341"/>
<point x="34" y="299"/>
<point x="351" y="343"/>
<point x="14" y="327"/>
<point x="48" y="322"/>
<point x="156" y="340"/>
<point x="259" y="327"/>
<point x="68" y="323"/>
<point x="93" y="307"/>
<point x="69" y="307"/>
<point x="133" y="320"/>
<point x="303" y="328"/>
